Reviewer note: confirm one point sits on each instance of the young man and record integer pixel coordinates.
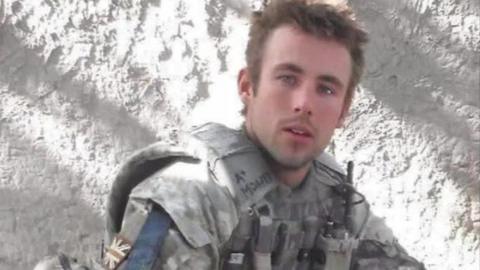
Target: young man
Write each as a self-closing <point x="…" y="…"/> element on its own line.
<point x="265" y="197"/>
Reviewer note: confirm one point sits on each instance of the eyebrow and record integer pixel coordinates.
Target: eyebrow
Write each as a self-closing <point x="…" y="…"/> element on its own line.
<point x="297" y="69"/>
<point x="288" y="67"/>
<point x="331" y="79"/>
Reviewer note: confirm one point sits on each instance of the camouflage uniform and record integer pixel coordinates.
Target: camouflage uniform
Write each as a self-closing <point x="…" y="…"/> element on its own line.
<point x="229" y="212"/>
<point x="228" y="208"/>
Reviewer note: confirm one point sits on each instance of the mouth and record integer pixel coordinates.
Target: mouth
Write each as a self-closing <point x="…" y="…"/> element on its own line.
<point x="300" y="131"/>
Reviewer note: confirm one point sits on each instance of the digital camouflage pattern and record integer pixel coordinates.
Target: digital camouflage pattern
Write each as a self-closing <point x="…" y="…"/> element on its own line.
<point x="211" y="188"/>
<point x="207" y="193"/>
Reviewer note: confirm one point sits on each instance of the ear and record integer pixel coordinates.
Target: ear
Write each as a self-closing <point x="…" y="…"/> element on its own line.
<point x="345" y="111"/>
<point x="245" y="86"/>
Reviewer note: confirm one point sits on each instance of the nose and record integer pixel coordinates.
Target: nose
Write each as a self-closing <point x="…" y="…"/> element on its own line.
<point x="302" y="101"/>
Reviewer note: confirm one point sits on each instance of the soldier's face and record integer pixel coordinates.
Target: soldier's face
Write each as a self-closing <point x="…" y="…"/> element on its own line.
<point x="300" y="96"/>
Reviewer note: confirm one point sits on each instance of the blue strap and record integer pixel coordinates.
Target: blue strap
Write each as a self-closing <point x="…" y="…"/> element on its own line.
<point x="150" y="241"/>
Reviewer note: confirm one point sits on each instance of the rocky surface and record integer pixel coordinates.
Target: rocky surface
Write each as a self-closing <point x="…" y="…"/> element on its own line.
<point x="85" y="83"/>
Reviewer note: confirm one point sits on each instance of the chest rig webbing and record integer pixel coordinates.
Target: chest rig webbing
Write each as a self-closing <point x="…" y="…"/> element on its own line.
<point x="279" y="228"/>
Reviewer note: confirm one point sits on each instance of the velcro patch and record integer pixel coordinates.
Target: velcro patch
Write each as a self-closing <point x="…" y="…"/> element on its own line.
<point x="116" y="253"/>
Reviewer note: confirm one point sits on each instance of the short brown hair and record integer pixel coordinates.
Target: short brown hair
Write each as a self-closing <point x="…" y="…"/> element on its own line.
<point x="326" y="21"/>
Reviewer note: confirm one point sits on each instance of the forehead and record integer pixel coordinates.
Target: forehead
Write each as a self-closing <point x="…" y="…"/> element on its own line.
<point x="318" y="56"/>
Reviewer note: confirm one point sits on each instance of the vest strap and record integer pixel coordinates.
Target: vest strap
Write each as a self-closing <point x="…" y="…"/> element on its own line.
<point x="150" y="240"/>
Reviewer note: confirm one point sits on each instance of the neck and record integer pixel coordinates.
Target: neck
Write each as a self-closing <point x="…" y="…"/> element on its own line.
<point x="291" y="177"/>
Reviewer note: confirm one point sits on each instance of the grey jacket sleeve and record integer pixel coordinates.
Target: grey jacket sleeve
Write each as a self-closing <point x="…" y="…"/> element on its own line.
<point x="177" y="254"/>
<point x="203" y="216"/>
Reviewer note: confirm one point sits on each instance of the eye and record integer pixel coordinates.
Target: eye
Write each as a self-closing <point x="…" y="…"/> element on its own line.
<point x="324" y="89"/>
<point x="288" y="80"/>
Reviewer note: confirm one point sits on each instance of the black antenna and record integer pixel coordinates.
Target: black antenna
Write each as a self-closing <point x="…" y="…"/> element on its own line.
<point x="349" y="198"/>
<point x="350" y="172"/>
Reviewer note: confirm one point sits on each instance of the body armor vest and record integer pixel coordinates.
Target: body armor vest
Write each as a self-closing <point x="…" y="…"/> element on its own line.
<point x="227" y="207"/>
<point x="257" y="222"/>
<point x="279" y="228"/>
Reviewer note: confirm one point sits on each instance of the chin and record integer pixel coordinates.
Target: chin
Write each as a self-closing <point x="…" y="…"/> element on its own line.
<point x="291" y="161"/>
